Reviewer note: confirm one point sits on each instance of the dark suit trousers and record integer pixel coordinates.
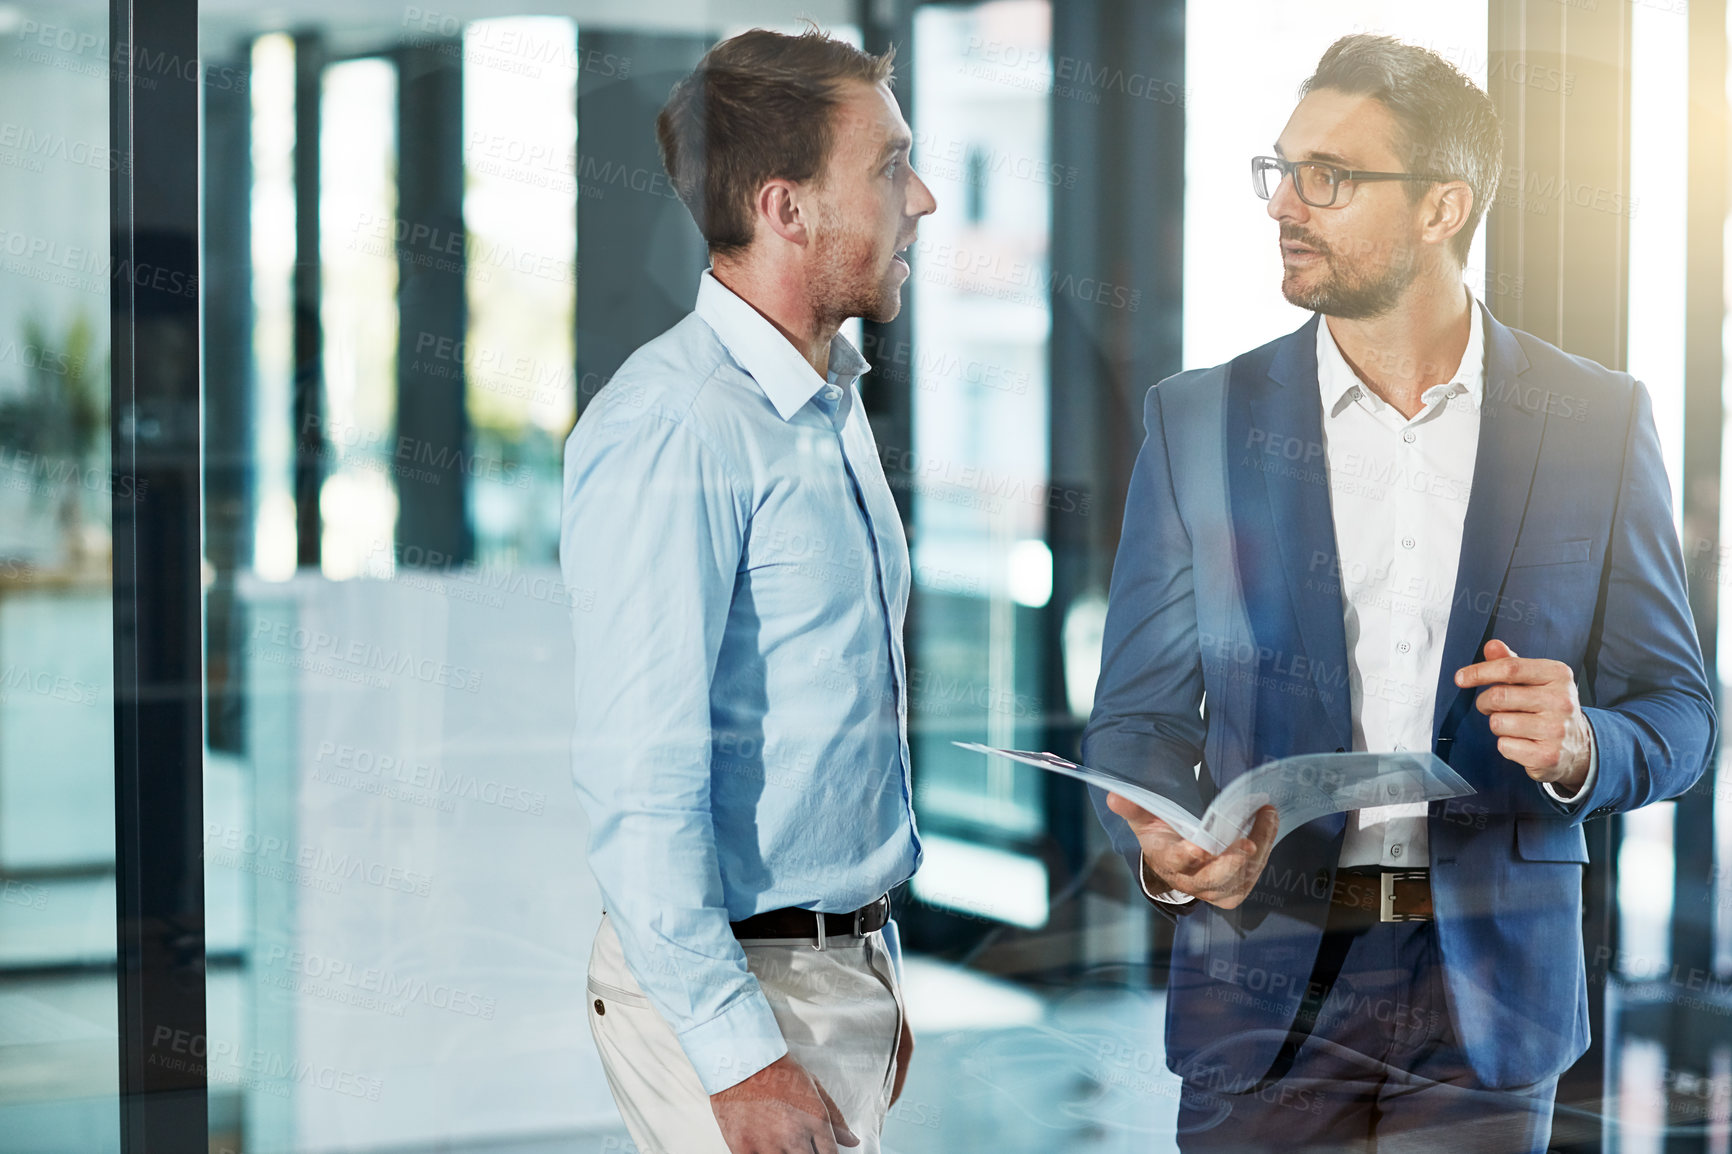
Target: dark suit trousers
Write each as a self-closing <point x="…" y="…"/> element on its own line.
<point x="1382" y="1070"/>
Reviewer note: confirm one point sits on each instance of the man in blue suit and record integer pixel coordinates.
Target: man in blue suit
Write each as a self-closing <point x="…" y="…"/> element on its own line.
<point x="1404" y="526"/>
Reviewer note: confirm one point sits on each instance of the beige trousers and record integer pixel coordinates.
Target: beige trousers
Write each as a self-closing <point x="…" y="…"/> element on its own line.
<point x="840" y="1010"/>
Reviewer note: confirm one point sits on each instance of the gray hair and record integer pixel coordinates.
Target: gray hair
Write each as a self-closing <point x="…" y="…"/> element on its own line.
<point x="1450" y="125"/>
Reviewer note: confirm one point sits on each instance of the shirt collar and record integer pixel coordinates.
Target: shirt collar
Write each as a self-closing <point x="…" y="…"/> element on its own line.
<point x="1336" y="378"/>
<point x="784" y="375"/>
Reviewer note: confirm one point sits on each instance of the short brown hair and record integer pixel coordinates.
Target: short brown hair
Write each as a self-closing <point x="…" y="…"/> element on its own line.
<point x="1450" y="124"/>
<point x="757" y="107"/>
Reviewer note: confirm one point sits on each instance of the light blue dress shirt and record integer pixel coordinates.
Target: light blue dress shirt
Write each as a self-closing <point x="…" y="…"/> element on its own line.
<point x="741" y="740"/>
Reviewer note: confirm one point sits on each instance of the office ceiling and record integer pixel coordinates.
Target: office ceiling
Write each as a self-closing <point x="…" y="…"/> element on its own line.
<point x="362" y="25"/>
<point x="351" y="26"/>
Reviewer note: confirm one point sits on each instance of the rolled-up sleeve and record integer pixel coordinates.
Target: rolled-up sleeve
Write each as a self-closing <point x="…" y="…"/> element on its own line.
<point x="653" y="530"/>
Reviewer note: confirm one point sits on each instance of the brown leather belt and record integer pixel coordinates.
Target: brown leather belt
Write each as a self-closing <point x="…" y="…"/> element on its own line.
<point x="790" y="923"/>
<point x="1386" y="895"/>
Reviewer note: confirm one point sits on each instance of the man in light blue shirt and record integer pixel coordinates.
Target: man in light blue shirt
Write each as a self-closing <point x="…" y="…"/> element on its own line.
<point x="741" y="745"/>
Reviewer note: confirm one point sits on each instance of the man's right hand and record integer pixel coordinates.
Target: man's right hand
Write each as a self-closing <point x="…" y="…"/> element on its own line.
<point x="780" y="1110"/>
<point x="1224" y="879"/>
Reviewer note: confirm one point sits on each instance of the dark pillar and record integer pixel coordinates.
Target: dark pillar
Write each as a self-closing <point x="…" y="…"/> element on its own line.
<point x="432" y="445"/>
<point x="1559" y="268"/>
<point x="228" y="411"/>
<point x="1119" y="222"/>
<point x="641" y="249"/>
<point x="158" y="695"/>
<point x="307" y="398"/>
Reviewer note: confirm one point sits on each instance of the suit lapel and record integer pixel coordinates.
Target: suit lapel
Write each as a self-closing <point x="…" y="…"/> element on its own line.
<point x="1290" y="503"/>
<point x="1503" y="474"/>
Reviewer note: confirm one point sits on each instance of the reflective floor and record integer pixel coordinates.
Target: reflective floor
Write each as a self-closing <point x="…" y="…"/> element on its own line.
<point x="999" y="1068"/>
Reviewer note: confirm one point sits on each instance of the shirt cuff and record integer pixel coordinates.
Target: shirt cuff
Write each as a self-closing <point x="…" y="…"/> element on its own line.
<point x="735" y="1044"/>
<point x="1168" y="897"/>
<point x="1587" y="782"/>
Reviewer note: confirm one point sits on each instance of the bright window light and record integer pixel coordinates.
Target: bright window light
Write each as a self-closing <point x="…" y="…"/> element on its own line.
<point x="1031" y="573"/>
<point x="975" y="879"/>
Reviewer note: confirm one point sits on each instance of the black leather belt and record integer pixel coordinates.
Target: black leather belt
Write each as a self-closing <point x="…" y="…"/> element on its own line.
<point x="807" y="924"/>
<point x="1386" y="895"/>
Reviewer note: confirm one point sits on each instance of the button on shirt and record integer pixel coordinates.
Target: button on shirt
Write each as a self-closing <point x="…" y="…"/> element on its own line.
<point x="740" y="579"/>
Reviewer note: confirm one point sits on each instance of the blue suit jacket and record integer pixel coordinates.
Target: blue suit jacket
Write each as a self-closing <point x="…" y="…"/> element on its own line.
<point x="1225" y="648"/>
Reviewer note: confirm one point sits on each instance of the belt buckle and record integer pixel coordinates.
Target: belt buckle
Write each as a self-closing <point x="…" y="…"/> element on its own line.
<point x="871" y="907"/>
<point x="857" y="923"/>
<point x="1386" y="895"/>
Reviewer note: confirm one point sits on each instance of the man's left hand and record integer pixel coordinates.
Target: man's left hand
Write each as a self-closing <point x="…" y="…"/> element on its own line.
<point x="1534" y="712"/>
<point x="904" y="1051"/>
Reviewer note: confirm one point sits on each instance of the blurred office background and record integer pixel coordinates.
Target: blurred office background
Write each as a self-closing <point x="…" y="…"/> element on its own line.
<point x="423" y="238"/>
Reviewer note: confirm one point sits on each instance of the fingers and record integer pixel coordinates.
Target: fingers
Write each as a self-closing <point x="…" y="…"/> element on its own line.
<point x="819" y="1141"/>
<point x="1518" y="699"/>
<point x="1263" y="834"/>
<point x="1533" y="726"/>
<point x="1258" y="840"/>
<point x="1172" y="856"/>
<point x="1128" y="809"/>
<point x="904" y="1053"/>
<point x="1532" y="756"/>
<point x="1222" y="879"/>
<point x="844" y="1136"/>
<point x="1507" y="670"/>
<point x="1228" y="879"/>
<point x="1496" y="649"/>
<point x="1502" y="666"/>
<point x="1138" y="818"/>
<point x="1264" y="829"/>
<point x="781" y="1108"/>
<point x="1169" y="854"/>
<point x="1499" y="659"/>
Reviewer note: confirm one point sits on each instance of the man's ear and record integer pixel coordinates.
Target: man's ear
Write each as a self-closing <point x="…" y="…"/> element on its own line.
<point x="780" y="210"/>
<point x="1448" y="206"/>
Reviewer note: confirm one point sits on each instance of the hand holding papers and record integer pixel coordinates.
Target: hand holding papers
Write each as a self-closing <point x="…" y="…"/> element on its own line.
<point x="1300" y="789"/>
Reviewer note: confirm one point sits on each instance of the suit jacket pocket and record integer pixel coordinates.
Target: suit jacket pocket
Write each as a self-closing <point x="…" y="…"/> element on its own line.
<point x="1549" y="552"/>
<point x="1544" y="839"/>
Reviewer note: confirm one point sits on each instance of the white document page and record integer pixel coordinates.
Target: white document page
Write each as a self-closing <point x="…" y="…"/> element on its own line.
<point x="1300" y="788"/>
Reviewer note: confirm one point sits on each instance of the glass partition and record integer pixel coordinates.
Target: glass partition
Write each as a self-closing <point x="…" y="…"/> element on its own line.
<point x="978" y="470"/>
<point x="452" y="226"/>
<point x="59" y="1053"/>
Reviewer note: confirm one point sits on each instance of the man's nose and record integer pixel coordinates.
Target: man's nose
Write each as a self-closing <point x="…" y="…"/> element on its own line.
<point x="920" y="198"/>
<point x="1285" y="205"/>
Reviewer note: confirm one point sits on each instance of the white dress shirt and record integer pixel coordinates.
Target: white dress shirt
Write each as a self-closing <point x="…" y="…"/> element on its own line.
<point x="1398" y="490"/>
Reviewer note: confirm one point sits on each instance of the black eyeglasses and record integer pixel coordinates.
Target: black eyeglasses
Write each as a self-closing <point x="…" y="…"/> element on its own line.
<point x="1318" y="184"/>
